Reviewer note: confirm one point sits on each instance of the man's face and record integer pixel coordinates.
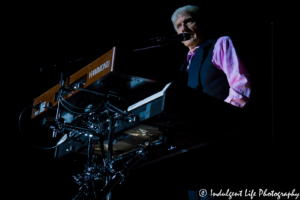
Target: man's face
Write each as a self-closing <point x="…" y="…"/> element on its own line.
<point x="186" y="24"/>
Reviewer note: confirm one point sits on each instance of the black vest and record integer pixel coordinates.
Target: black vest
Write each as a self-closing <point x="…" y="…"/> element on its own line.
<point x="203" y="75"/>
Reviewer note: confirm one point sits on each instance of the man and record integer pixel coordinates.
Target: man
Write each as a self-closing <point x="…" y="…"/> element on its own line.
<point x="213" y="64"/>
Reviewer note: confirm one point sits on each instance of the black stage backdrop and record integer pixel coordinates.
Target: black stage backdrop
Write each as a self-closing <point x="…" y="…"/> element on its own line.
<point x="45" y="34"/>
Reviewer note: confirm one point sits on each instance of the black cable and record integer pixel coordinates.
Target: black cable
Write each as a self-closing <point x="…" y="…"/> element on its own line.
<point x="71" y="111"/>
<point x="116" y="108"/>
<point x="25" y="138"/>
<point x="97" y="93"/>
<point x="86" y="90"/>
<point x="62" y="100"/>
<point x="61" y="97"/>
<point x="109" y="108"/>
<point x="75" y="107"/>
<point x="122" y="113"/>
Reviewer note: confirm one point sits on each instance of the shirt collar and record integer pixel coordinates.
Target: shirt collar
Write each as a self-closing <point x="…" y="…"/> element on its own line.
<point x="195" y="49"/>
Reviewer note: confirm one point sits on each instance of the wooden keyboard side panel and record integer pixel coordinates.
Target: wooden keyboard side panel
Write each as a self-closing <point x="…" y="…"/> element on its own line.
<point x="46" y="99"/>
<point x="93" y="72"/>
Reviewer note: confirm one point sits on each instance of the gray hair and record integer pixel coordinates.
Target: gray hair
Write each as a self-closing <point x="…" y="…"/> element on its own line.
<point x="194" y="11"/>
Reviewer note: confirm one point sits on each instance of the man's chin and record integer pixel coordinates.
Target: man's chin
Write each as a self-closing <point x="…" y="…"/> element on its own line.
<point x="187" y="43"/>
<point x="192" y="42"/>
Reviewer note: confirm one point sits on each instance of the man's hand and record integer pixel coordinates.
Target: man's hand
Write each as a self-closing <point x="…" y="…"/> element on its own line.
<point x="238" y="102"/>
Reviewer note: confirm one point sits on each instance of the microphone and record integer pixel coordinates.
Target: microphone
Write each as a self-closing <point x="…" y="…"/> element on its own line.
<point x="179" y="37"/>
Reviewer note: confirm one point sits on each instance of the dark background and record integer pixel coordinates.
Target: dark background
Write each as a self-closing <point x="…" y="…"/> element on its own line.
<point x="40" y="35"/>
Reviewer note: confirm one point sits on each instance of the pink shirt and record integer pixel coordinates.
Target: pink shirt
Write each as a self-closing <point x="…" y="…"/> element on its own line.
<point x="225" y="58"/>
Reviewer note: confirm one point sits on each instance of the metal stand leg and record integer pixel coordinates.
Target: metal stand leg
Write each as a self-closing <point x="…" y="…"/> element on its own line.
<point x="109" y="152"/>
<point x="90" y="169"/>
<point x="87" y="181"/>
<point x="106" y="171"/>
<point x="121" y="175"/>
